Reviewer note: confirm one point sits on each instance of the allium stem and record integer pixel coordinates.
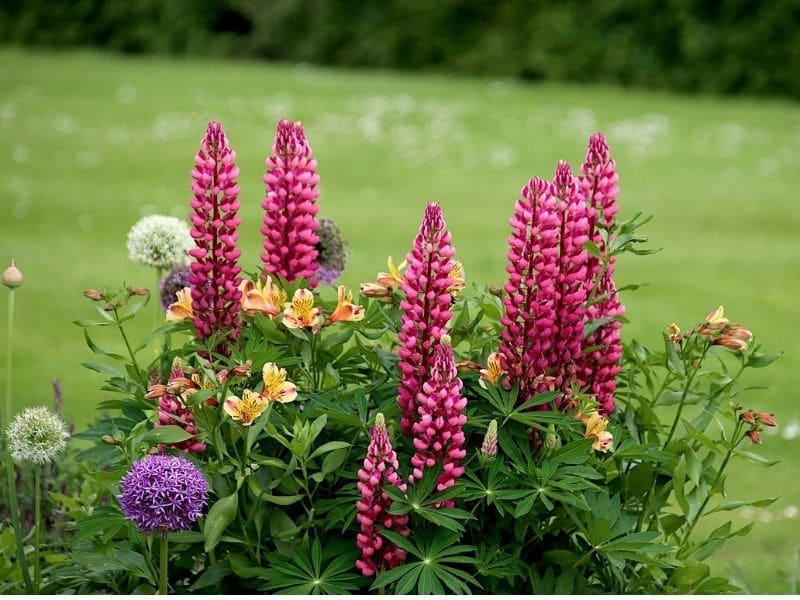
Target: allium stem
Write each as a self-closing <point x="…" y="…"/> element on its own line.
<point x="163" y="567"/>
<point x="15" y="523"/>
<point x="7" y="414"/>
<point x="37" y="540"/>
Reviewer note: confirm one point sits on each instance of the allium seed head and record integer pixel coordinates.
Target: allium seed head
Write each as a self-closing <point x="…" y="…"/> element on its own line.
<point x="36" y="435"/>
<point x="160" y="241"/>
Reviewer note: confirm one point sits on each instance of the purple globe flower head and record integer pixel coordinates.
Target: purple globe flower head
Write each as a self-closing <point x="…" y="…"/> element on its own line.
<point x="163" y="493"/>
<point x="174" y="281"/>
<point x="332" y="254"/>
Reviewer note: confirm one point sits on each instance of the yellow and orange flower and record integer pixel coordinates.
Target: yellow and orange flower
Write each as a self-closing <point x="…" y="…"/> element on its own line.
<point x="264" y="297"/>
<point x="345" y="309"/>
<point x="383" y="287"/>
<point x="457" y="275"/>
<point x="276" y="388"/>
<point x="247" y="408"/>
<point x="493" y="371"/>
<point x="300" y="312"/>
<point x="596" y="429"/>
<point x="182" y="309"/>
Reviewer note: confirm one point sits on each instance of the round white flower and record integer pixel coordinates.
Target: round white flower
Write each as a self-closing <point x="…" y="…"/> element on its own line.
<point x="160" y="241"/>
<point x="36" y="435"/>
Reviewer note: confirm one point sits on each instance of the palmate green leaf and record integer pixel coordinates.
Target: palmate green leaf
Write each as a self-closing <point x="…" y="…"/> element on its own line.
<point x="168" y="434"/>
<point x="574" y="453"/>
<point x="329" y="447"/>
<point x="211" y="576"/>
<point x="388" y="577"/>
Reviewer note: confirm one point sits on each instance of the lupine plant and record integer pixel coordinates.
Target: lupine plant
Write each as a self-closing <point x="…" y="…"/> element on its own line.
<point x="278" y="434"/>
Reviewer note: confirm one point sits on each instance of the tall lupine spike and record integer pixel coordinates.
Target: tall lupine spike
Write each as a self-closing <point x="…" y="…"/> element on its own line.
<point x="290" y="208"/>
<point x="530" y="302"/>
<point x="438" y="435"/>
<point x="214" y="278"/>
<point x="379" y="472"/>
<point x="426" y="308"/>
<point x="598" y="183"/>
<point x="571" y="292"/>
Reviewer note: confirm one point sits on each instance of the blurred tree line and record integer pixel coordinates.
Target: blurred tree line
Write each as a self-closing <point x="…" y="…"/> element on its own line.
<point x="722" y="46"/>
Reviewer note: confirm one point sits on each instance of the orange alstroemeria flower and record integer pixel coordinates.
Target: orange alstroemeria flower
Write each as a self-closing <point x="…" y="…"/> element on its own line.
<point x="247" y="408"/>
<point x="182" y="309"/>
<point x="300" y="312"/>
<point x="276" y="388"/>
<point x="457" y="275"/>
<point x="345" y="309"/>
<point x="596" y="429"/>
<point x="493" y="371"/>
<point x="264" y="297"/>
<point x="385" y="284"/>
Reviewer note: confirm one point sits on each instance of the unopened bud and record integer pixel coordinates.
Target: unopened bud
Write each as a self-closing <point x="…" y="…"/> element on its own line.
<point x="496" y="291"/>
<point x="111" y="440"/>
<point x="748" y="416"/>
<point x="468" y="365"/>
<point x="446" y="340"/>
<point x="12" y="276"/>
<point x="93" y="294"/>
<point x="767" y="419"/>
<point x="243" y="370"/>
<point x="754" y="436"/>
<point x="716" y="319"/>
<point x="489" y="446"/>
<point x="732" y="343"/>
<point x="375" y="290"/>
<point x="138" y="291"/>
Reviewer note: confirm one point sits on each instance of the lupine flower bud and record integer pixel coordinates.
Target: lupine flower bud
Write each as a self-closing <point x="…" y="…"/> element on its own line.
<point x="290" y="208"/>
<point x="12" y="276"/>
<point x="489" y="446"/>
<point x="438" y="433"/>
<point x="426" y="308"/>
<point x="216" y="297"/>
<point x="379" y="472"/>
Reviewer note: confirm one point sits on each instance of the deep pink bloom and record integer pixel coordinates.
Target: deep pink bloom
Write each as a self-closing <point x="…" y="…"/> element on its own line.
<point x="216" y="299"/>
<point x="529" y="318"/>
<point x="290" y="208"/>
<point x="426" y="308"/>
<point x="598" y="183"/>
<point x="438" y="435"/>
<point x="571" y="292"/>
<point x="172" y="411"/>
<point x="380" y="471"/>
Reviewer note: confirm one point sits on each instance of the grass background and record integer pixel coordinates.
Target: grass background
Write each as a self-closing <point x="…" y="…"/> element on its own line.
<point x="89" y="143"/>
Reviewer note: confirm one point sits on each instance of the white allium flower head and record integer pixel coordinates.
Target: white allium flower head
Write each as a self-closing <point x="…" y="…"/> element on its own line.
<point x="160" y="241"/>
<point x="36" y="435"/>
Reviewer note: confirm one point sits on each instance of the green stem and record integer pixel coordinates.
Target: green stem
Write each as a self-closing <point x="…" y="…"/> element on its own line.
<point x="142" y="380"/>
<point x="37" y="540"/>
<point x="14" y="510"/>
<point x="162" y="571"/>
<point x="735" y="440"/>
<point x="156" y="297"/>
<point x="7" y="413"/>
<point x="682" y="402"/>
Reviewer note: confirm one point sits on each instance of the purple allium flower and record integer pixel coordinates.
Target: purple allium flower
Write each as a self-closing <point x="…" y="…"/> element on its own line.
<point x="171" y="283"/>
<point x="426" y="308"/>
<point x="163" y="493"/>
<point x="380" y="471"/>
<point x="529" y="318"/>
<point x="598" y="184"/>
<point x="290" y="208"/>
<point x="216" y="298"/>
<point x="438" y="435"/>
<point x="332" y="255"/>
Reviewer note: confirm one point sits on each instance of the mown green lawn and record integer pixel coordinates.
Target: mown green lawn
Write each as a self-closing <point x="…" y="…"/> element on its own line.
<point x="90" y="142"/>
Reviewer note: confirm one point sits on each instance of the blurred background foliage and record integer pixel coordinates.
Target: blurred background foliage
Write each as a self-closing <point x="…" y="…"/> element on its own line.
<point x="719" y="46"/>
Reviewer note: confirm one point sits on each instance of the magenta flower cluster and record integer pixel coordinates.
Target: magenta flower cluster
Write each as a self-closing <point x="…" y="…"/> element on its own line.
<point x="426" y="308"/>
<point x="380" y="471"/>
<point x="438" y="435"/>
<point x="215" y="276"/>
<point x="554" y="284"/>
<point x="290" y="208"/>
<point x="163" y="493"/>
<point x="172" y="411"/>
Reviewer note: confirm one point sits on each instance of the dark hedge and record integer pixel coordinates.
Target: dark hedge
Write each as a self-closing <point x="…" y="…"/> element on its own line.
<point x="722" y="46"/>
